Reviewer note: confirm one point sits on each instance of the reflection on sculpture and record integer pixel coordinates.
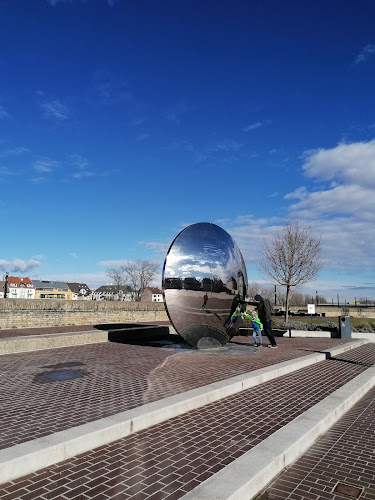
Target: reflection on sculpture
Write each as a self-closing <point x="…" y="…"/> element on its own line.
<point x="204" y="285"/>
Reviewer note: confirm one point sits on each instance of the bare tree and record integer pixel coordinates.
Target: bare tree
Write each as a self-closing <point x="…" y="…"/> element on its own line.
<point x="117" y="276"/>
<point x="266" y="292"/>
<point x="139" y="276"/>
<point x="291" y="257"/>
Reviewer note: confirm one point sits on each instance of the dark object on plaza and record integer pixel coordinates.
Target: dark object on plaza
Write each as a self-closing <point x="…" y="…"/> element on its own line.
<point x="345" y="329"/>
<point x="123" y="332"/>
<point x="204" y="258"/>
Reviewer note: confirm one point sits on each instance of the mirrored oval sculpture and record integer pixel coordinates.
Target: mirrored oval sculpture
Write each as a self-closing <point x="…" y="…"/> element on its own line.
<point x="204" y="285"/>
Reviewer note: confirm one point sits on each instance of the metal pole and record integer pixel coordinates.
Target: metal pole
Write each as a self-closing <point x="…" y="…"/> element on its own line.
<point x="6" y="285"/>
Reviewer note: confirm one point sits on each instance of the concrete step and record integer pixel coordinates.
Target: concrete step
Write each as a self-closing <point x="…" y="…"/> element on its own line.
<point x="32" y="456"/>
<point x="36" y="342"/>
<point x="249" y="475"/>
<point x="11" y="345"/>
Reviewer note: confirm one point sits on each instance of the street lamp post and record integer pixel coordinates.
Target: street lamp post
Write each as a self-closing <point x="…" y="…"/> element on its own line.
<point x="6" y="285"/>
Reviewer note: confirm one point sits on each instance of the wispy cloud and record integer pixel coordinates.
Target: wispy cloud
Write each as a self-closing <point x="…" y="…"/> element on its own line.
<point x="6" y="172"/>
<point x="180" y="145"/>
<point x="159" y="248"/>
<point x="367" y="51"/>
<point x="252" y="126"/>
<point x="4" y="114"/>
<point x="55" y="109"/>
<point x="227" y="151"/>
<point x="110" y="88"/>
<point x="80" y="165"/>
<point x="7" y="153"/>
<point x="38" y="180"/>
<point x="78" y="161"/>
<point x="45" y="165"/>
<point x="19" y="265"/>
<point x="255" y="125"/>
<point x="82" y="175"/>
<point x="142" y="137"/>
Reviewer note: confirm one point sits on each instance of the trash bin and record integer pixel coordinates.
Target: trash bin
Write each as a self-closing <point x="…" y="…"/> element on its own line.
<point x="345" y="329"/>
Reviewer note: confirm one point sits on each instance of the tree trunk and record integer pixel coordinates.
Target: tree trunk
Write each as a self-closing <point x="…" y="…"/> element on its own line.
<point x="287" y="298"/>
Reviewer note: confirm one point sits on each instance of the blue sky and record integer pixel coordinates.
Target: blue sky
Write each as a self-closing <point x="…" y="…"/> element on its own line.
<point x="122" y="122"/>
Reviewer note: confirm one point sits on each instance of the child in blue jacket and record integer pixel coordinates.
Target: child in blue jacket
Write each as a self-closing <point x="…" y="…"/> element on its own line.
<point x="257" y="325"/>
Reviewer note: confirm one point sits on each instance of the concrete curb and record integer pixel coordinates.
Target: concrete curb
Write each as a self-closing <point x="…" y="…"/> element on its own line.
<point x="13" y="345"/>
<point x="31" y="456"/>
<point x="318" y="334"/>
<point x="247" y="476"/>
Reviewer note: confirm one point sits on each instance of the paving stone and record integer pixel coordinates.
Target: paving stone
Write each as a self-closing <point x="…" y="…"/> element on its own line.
<point x="172" y="457"/>
<point x="112" y="378"/>
<point x="326" y="458"/>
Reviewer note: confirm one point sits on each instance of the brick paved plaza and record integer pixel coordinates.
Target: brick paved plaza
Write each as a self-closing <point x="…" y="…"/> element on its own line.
<point x="52" y="390"/>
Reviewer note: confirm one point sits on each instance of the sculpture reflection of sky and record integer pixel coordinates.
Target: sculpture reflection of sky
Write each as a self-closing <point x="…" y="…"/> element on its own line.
<point x="204" y="250"/>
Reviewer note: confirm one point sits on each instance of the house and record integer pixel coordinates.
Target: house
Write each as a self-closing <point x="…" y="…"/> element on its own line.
<point x="80" y="291"/>
<point x="152" y="294"/>
<point x="2" y="286"/>
<point x="113" y="292"/>
<point x="18" y="288"/>
<point x="46" y="289"/>
<point x="191" y="283"/>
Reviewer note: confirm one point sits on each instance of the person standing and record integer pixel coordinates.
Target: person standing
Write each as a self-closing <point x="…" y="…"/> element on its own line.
<point x="265" y="315"/>
<point x="257" y="326"/>
<point x="205" y="299"/>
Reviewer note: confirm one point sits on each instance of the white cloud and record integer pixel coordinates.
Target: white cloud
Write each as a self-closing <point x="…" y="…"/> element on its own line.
<point x="343" y="211"/>
<point x="353" y="163"/>
<point x="350" y="170"/>
<point x="364" y="54"/>
<point x="299" y="193"/>
<point x="350" y="199"/>
<point x="55" y="109"/>
<point x="19" y="265"/>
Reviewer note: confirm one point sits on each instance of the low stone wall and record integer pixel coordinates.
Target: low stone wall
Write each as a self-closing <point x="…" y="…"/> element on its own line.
<point x="23" y="313"/>
<point x="334" y="311"/>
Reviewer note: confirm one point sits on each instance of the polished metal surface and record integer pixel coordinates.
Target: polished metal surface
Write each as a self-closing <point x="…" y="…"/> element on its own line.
<point x="204" y="283"/>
